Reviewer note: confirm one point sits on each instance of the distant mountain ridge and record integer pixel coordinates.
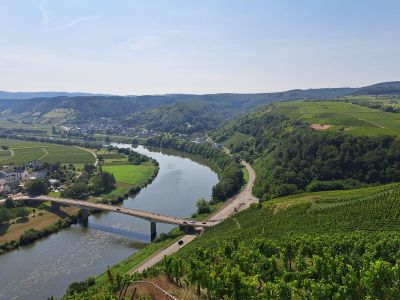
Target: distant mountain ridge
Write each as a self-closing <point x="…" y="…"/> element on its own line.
<point x="384" y="88"/>
<point x="31" y="95"/>
<point x="181" y="113"/>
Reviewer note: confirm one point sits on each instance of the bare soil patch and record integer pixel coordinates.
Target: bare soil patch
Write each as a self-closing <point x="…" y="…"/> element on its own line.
<point x="320" y="126"/>
<point x="146" y="289"/>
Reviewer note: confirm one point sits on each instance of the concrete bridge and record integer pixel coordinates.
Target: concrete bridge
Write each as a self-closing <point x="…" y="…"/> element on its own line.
<point x="149" y="216"/>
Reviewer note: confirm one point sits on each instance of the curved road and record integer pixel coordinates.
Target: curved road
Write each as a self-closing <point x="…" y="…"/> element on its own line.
<point x="237" y="203"/>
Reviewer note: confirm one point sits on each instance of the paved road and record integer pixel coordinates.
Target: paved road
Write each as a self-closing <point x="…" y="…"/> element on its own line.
<point x="241" y="201"/>
<point x="149" y="216"/>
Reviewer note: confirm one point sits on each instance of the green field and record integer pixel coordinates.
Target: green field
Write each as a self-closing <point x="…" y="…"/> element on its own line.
<point x="236" y="139"/>
<point x="347" y="117"/>
<point x="26" y="151"/>
<point x="130" y="174"/>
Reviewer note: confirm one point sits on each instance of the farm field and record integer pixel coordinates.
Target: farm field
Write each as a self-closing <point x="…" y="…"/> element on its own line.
<point x="347" y="117"/>
<point x="130" y="174"/>
<point x="22" y="152"/>
<point x="237" y="139"/>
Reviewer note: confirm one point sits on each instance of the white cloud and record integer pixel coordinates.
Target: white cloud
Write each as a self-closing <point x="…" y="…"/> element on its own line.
<point x="46" y="20"/>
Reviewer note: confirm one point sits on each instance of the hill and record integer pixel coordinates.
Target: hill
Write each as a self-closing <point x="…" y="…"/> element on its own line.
<point x="331" y="245"/>
<point x="360" y="148"/>
<point x="30" y="95"/>
<point x="174" y="113"/>
<point x="384" y="88"/>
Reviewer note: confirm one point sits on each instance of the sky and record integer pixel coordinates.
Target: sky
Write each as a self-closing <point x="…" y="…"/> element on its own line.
<point x="130" y="47"/>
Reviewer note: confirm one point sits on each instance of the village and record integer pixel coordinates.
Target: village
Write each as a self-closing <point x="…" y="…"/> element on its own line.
<point x="13" y="179"/>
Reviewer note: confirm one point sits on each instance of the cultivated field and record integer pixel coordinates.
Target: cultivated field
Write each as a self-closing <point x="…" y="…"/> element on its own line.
<point x="22" y="152"/>
<point x="351" y="118"/>
<point x="372" y="209"/>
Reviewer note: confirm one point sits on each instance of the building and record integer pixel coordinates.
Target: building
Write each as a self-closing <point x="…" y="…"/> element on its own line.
<point x="11" y="179"/>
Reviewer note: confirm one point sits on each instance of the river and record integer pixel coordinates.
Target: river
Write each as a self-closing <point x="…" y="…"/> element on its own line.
<point x="46" y="267"/>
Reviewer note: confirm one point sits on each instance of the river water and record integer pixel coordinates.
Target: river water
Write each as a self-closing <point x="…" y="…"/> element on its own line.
<point x="46" y="267"/>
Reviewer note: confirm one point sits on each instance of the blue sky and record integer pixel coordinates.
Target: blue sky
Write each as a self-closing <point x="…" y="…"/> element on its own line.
<point x="192" y="46"/>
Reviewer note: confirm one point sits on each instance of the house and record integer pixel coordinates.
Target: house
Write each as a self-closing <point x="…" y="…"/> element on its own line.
<point x="38" y="175"/>
<point x="54" y="182"/>
<point x="35" y="165"/>
<point x="11" y="179"/>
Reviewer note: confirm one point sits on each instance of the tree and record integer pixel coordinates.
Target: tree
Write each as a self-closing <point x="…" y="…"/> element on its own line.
<point x="9" y="203"/>
<point x="36" y="187"/>
<point x="78" y="190"/>
<point x="203" y="206"/>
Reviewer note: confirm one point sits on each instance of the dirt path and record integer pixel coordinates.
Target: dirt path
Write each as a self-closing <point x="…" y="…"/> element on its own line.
<point x="91" y="152"/>
<point x="365" y="120"/>
<point x="237" y="203"/>
<point x="45" y="154"/>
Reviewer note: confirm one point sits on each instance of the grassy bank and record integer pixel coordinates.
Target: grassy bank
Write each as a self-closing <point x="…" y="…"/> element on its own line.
<point x="34" y="228"/>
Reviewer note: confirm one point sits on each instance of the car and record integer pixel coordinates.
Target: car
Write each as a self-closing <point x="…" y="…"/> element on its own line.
<point x="184" y="222"/>
<point x="203" y="222"/>
<point x="192" y="222"/>
<point x="180" y="242"/>
<point x="118" y="209"/>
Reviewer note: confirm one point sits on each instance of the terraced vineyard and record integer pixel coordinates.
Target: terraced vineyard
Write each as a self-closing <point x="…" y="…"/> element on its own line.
<point x="369" y="209"/>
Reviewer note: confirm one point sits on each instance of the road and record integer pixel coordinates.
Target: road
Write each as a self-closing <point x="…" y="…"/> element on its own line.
<point x="240" y="202"/>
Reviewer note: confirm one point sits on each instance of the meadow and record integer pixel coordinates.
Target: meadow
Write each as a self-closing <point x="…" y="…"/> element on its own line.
<point x="131" y="174"/>
<point x="342" y="116"/>
<point x="22" y="152"/>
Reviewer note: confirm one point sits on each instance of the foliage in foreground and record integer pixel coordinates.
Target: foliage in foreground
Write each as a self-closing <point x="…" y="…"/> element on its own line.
<point x="341" y="266"/>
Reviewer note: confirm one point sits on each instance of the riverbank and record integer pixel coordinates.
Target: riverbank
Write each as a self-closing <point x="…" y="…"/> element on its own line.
<point x="40" y="223"/>
<point x="43" y="221"/>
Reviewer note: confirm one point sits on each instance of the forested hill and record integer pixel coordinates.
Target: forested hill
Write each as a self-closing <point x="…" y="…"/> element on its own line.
<point x="31" y="95"/>
<point x="290" y="157"/>
<point x="179" y="113"/>
<point x="385" y="88"/>
<point x="174" y="113"/>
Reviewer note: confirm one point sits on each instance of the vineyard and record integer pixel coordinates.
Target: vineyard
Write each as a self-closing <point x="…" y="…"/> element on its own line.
<point x="369" y="209"/>
<point x="22" y="152"/>
<point x="326" y="245"/>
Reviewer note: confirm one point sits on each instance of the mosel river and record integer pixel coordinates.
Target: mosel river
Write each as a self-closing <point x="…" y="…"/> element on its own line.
<point x="48" y="266"/>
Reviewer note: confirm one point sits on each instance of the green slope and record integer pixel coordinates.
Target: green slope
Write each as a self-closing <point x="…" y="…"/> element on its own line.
<point x="330" y="245"/>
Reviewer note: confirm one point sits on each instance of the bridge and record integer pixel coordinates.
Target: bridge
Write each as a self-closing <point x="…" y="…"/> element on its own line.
<point x="149" y="216"/>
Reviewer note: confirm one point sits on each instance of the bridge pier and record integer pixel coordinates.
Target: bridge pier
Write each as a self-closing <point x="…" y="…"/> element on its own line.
<point x="153" y="230"/>
<point x="55" y="206"/>
<point x="83" y="216"/>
